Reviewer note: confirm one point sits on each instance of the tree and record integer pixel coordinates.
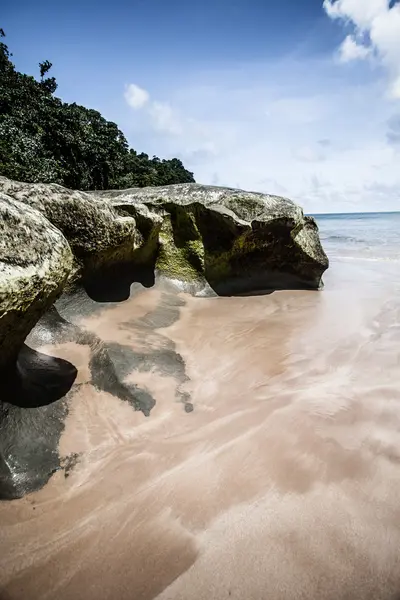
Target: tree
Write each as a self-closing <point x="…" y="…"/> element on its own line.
<point x="45" y="139"/>
<point x="44" y="67"/>
<point x="50" y="83"/>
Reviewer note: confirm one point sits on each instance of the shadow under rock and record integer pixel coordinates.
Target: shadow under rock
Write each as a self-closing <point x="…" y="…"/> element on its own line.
<point x="113" y="284"/>
<point x="33" y="408"/>
<point x="37" y="380"/>
<point x="5" y="596"/>
<point x="261" y="284"/>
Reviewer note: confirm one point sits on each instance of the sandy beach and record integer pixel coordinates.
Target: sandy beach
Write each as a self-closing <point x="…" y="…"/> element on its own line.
<point x="268" y="469"/>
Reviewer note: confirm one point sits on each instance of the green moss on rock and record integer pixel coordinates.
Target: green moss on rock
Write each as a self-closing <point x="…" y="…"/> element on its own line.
<point x="180" y="251"/>
<point x="188" y="232"/>
<point x="35" y="262"/>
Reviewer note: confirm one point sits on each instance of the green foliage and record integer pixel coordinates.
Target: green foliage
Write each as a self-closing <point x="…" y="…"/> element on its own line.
<point x="45" y="139"/>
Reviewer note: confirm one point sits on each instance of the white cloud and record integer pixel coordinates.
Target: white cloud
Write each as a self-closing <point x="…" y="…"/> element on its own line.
<point x="309" y="108"/>
<point x="304" y="129"/>
<point x="395" y="88"/>
<point x="376" y="26"/>
<point x="393" y="133"/>
<point x="194" y="135"/>
<point x="309" y="153"/>
<point x="352" y="50"/>
<point x="164" y="119"/>
<point x="136" y="96"/>
<point x="361" y="12"/>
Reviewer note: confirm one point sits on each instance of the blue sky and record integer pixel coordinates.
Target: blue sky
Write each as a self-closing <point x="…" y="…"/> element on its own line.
<point x="299" y="97"/>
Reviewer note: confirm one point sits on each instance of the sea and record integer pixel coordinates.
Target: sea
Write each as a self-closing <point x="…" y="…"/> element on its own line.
<point x="361" y="236"/>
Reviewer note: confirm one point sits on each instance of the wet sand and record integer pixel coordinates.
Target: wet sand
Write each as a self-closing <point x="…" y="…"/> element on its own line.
<point x="283" y="482"/>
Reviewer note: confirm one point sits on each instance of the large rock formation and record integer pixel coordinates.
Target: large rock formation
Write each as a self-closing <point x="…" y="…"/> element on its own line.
<point x="93" y="247"/>
<point x="236" y="241"/>
<point x="231" y="240"/>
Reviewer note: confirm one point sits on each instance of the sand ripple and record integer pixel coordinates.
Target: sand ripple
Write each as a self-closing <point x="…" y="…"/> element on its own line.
<point x="282" y="483"/>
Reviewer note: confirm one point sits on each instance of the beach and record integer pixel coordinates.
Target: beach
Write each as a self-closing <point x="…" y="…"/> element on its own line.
<point x="268" y="467"/>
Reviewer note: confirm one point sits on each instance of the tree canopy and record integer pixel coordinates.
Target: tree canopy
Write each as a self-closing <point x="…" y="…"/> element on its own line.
<point x="43" y="139"/>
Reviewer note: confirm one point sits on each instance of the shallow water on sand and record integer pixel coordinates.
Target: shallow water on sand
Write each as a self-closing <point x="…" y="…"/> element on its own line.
<point x="282" y="483"/>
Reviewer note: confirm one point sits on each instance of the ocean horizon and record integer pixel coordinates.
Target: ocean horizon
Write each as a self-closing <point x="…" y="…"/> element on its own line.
<point x="355" y="214"/>
<point x="360" y="236"/>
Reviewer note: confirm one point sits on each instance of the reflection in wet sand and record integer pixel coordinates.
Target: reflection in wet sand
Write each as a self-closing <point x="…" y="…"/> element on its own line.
<point x="283" y="482"/>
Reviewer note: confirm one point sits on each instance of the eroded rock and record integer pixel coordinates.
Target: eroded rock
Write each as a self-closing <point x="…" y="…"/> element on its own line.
<point x="97" y="234"/>
<point x="235" y="241"/>
<point x="231" y="240"/>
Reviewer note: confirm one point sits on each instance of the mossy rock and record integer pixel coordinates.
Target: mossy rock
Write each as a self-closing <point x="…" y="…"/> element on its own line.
<point x="181" y="249"/>
<point x="35" y="262"/>
<point x="97" y="234"/>
<point x="230" y="239"/>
